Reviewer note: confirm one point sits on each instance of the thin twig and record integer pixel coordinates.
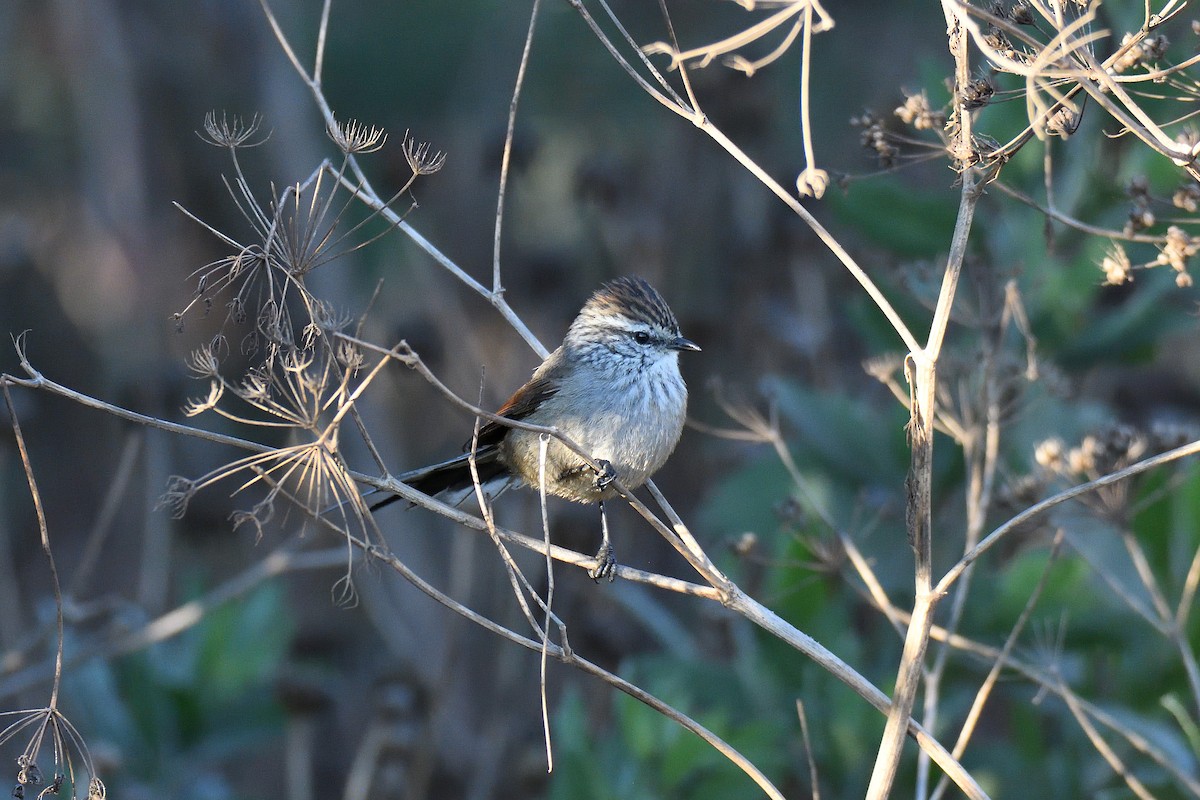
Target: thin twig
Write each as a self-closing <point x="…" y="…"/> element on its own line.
<point x="1053" y="684"/>
<point x="98" y="536"/>
<point x="1103" y="748"/>
<point x="981" y="454"/>
<point x="322" y="32"/>
<point x="285" y="558"/>
<point x="985" y="689"/>
<point x="1008" y="527"/>
<point x="44" y="533"/>
<point x="1078" y="225"/>
<point x="363" y="189"/>
<point x="715" y="133"/>
<point x="570" y="658"/>
<point x="506" y="156"/>
<point x="769" y="621"/>
<point x="814" y="783"/>
<point x="543" y="445"/>
<point x="923" y="387"/>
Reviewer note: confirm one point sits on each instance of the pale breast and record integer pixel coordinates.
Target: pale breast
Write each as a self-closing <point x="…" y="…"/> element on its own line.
<point x="634" y="425"/>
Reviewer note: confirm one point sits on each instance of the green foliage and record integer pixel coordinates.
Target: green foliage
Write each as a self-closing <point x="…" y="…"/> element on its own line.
<point x="591" y="146"/>
<point x="846" y="435"/>
<point x="1129" y="332"/>
<point x="647" y="755"/>
<point x="748" y="499"/>
<point x="893" y="217"/>
<point x="850" y="450"/>
<point x="176" y="710"/>
<point x="1165" y="522"/>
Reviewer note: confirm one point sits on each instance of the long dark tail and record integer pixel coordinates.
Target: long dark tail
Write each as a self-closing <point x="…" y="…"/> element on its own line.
<point x="452" y="478"/>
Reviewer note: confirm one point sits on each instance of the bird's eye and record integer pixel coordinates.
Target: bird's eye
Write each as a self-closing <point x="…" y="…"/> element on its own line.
<point x="641" y="337"/>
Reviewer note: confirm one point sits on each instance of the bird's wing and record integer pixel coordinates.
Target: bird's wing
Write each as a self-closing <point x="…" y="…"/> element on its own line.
<point x="526" y="401"/>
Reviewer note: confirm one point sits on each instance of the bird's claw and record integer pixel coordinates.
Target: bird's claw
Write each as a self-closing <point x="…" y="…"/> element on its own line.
<point x="605" y="475"/>
<point x="606" y="564"/>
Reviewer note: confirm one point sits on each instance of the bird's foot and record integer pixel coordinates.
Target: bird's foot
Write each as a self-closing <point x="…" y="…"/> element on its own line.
<point x="605" y="475"/>
<point x="606" y="564"/>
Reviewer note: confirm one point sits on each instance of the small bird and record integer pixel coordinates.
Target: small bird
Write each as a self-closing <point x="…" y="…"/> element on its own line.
<point x="613" y="387"/>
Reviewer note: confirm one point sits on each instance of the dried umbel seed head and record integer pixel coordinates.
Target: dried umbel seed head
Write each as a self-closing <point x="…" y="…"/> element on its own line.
<point x="1021" y="14"/>
<point x="1064" y="121"/>
<point x="1155" y="47"/>
<point x="180" y="491"/>
<point x="1050" y="454"/>
<point x="352" y="137"/>
<point x="746" y="544"/>
<point x="998" y="40"/>
<point x="1021" y="492"/>
<point x="1166" y="436"/>
<point x="203" y="362"/>
<point x="231" y="132"/>
<point x="1116" y="266"/>
<point x="422" y="159"/>
<point x="28" y="773"/>
<point x="1150" y="50"/>
<point x="350" y="356"/>
<point x="1138" y="188"/>
<point x="1100" y="453"/>
<point x="1140" y="218"/>
<point x="883" y="368"/>
<point x="917" y="112"/>
<point x="865" y="120"/>
<point x="875" y="139"/>
<point x="1175" y="252"/>
<point x="977" y="94"/>
<point x="1187" y="197"/>
<point x="1116" y="447"/>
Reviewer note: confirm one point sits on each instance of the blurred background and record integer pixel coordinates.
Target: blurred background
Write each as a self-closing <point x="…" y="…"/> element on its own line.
<point x="285" y="689"/>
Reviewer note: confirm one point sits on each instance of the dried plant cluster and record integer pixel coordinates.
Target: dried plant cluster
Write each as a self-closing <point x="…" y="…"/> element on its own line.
<point x="287" y="371"/>
<point x="1051" y="55"/>
<point x="301" y="371"/>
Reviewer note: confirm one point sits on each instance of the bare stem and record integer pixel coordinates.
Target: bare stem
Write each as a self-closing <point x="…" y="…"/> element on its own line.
<point x="922" y="372"/>
<point x="506" y="156"/>
<point x="44" y="532"/>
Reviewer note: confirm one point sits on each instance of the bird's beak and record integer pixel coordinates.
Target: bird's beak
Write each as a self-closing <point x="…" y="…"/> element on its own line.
<point x="680" y="343"/>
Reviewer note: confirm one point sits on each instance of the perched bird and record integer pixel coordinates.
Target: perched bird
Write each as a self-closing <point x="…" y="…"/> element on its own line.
<point x="613" y="387"/>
